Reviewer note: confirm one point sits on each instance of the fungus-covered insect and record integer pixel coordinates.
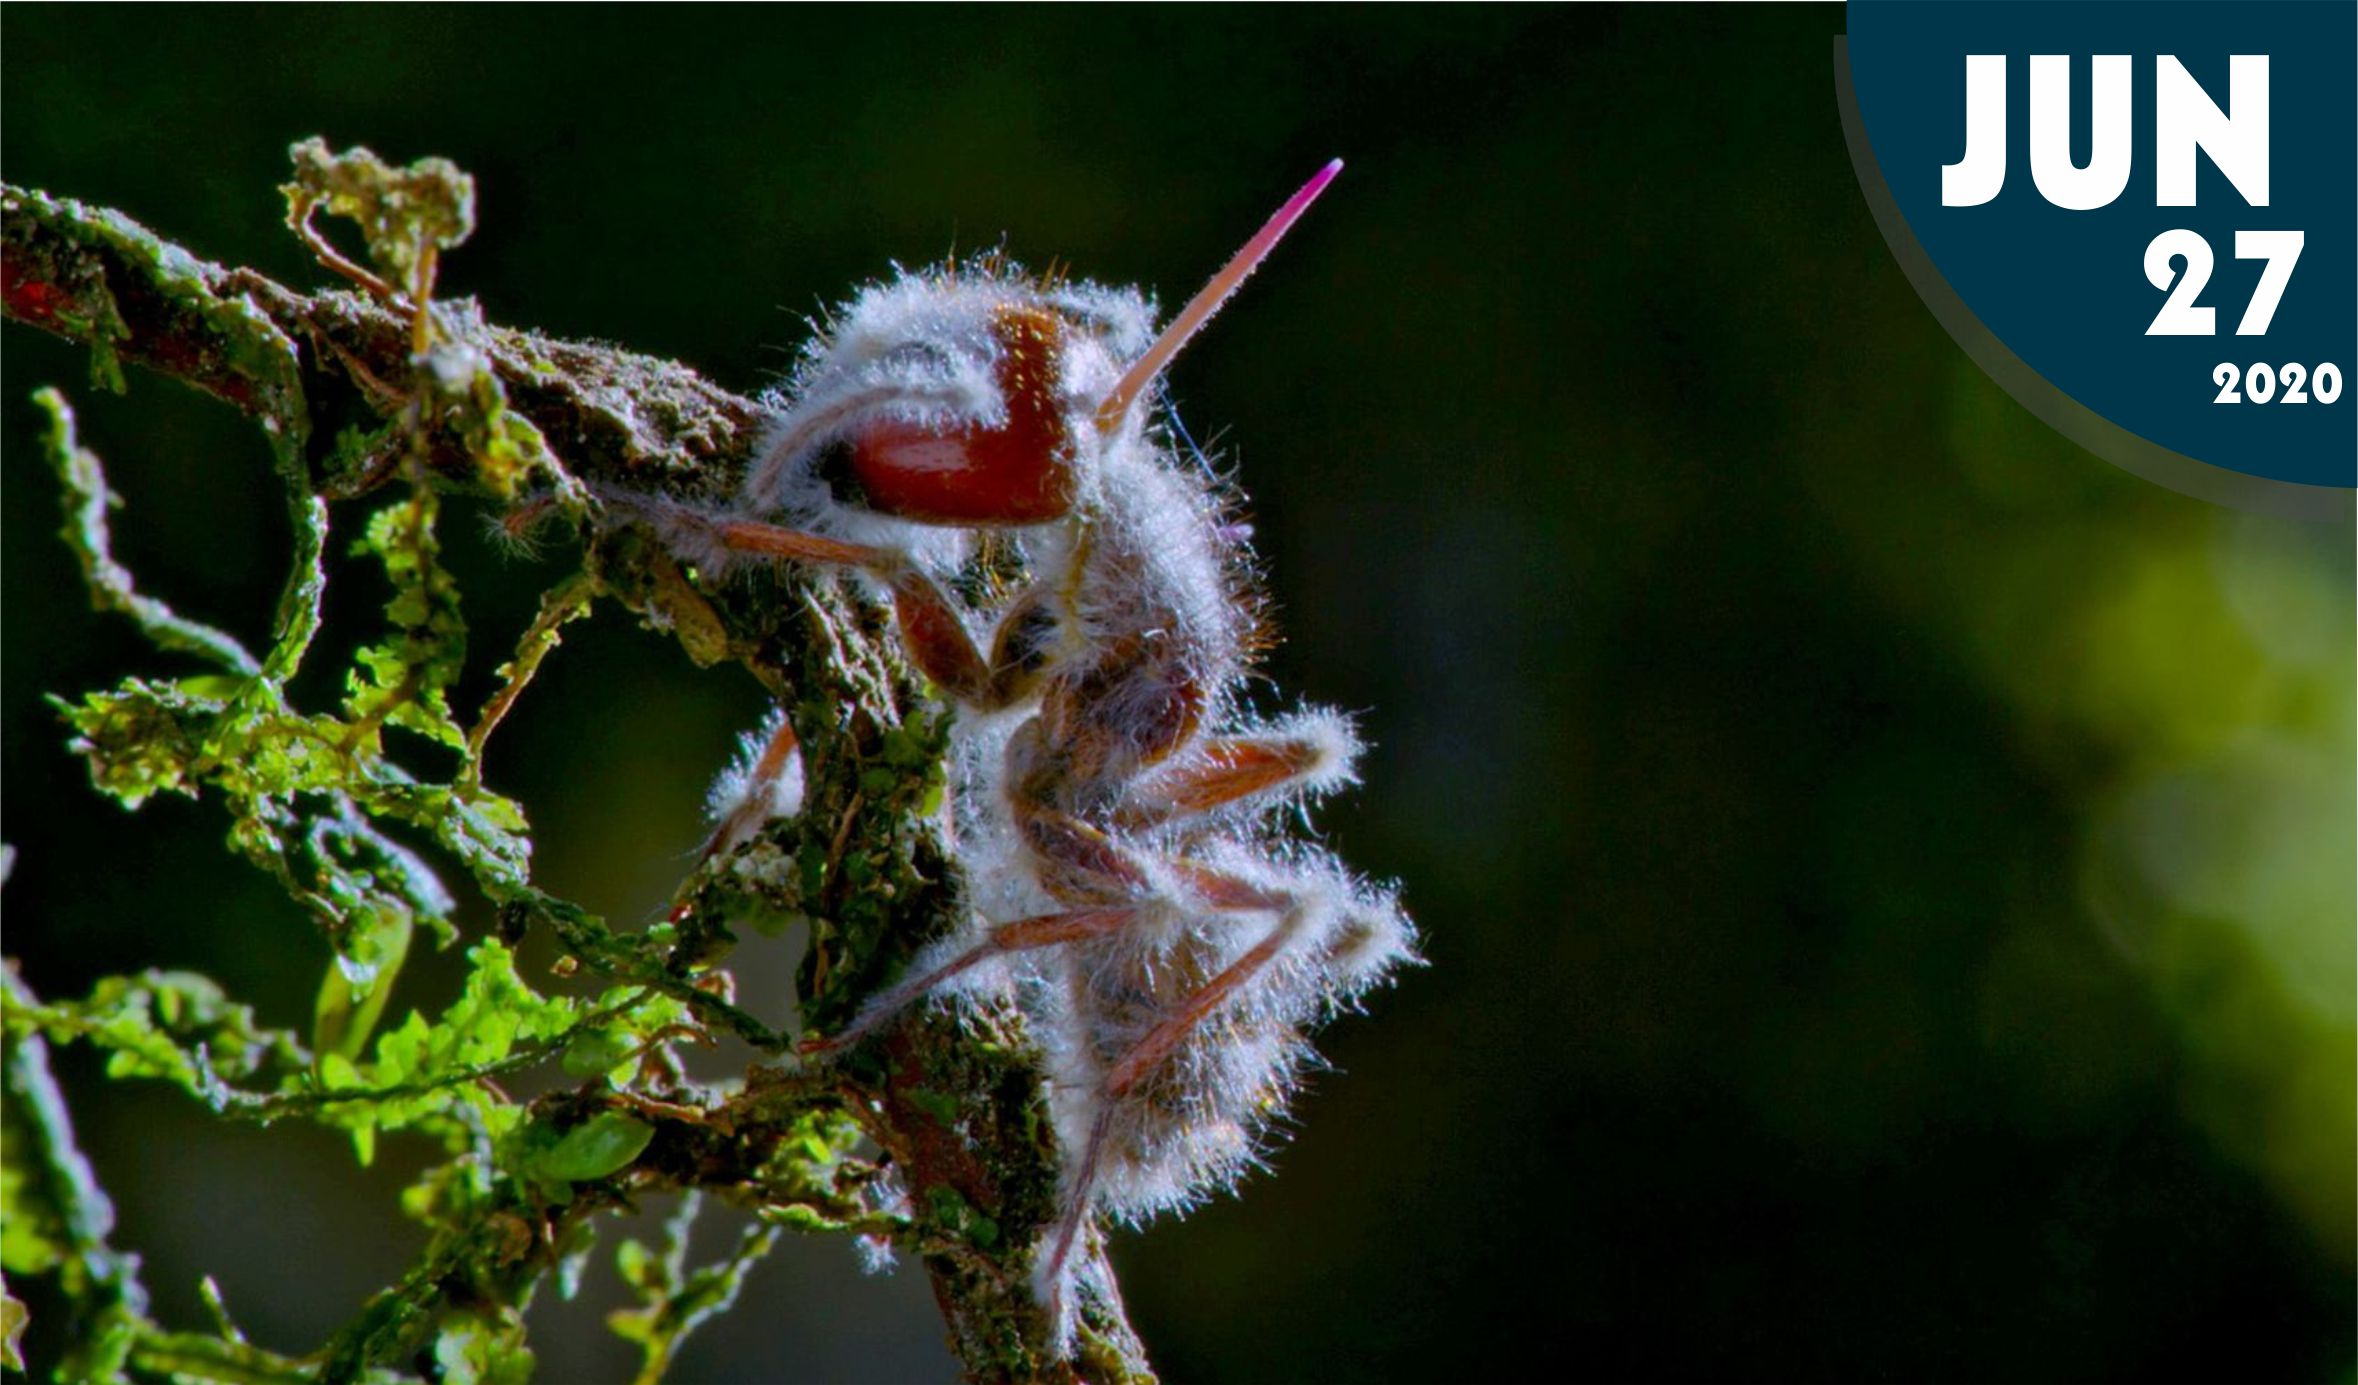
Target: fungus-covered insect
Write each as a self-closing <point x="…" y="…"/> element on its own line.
<point x="1122" y="816"/>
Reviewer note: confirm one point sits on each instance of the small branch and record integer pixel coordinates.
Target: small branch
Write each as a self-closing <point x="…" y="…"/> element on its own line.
<point x="299" y="214"/>
<point x="83" y="478"/>
<point x="95" y="277"/>
<point x="567" y="601"/>
<point x="187" y="1356"/>
<point x="617" y="960"/>
<point x="105" y="1280"/>
<point x="275" y="1105"/>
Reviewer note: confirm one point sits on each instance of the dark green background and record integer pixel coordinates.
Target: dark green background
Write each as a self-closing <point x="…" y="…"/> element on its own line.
<point x="1887" y="876"/>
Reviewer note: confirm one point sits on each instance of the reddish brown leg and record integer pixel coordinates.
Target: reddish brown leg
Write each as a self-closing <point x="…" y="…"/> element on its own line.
<point x="1229" y="768"/>
<point x="1080" y="1188"/>
<point x="749" y="536"/>
<point x="1048" y="1273"/>
<point x="1042" y="930"/>
<point x="932" y="629"/>
<point x="1084" y="857"/>
<point x="1159" y="1041"/>
<point x="755" y="801"/>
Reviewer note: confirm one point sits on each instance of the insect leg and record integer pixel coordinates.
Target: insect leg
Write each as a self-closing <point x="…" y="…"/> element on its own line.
<point x="1229" y="769"/>
<point x="1150" y="1051"/>
<point x="1048" y="1277"/>
<point x="932" y="629"/>
<point x="750" y="796"/>
<point x="1080" y="1186"/>
<point x="1042" y="930"/>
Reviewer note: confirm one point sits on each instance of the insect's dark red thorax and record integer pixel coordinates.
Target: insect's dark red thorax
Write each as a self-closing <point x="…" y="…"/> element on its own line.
<point x="1017" y="473"/>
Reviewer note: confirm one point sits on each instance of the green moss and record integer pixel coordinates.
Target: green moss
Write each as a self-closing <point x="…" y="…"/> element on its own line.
<point x="407" y="215"/>
<point x="311" y="795"/>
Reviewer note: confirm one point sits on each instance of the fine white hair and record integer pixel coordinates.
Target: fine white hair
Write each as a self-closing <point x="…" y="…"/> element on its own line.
<point x="1111" y="793"/>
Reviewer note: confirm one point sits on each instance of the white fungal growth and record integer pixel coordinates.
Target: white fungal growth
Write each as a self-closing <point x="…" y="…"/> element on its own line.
<point x="1129" y="834"/>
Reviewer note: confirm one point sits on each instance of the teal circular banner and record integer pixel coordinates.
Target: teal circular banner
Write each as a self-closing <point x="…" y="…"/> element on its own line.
<point x="2142" y="220"/>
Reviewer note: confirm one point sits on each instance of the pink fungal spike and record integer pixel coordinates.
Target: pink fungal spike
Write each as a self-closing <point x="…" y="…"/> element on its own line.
<point x="1200" y="308"/>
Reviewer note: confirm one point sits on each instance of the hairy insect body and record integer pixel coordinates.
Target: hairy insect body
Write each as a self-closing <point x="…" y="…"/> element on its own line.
<point x="1121" y="816"/>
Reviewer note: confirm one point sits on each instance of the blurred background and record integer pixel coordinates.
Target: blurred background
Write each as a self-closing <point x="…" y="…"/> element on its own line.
<point x="1887" y="875"/>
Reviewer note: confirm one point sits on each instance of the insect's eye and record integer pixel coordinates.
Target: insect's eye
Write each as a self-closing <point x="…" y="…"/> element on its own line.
<point x="834" y="468"/>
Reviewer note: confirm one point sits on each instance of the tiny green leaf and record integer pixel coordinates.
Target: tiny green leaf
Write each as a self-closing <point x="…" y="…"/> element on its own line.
<point x="13" y="1317"/>
<point x="604" y="1144"/>
<point x="596" y="1052"/>
<point x="349" y="1005"/>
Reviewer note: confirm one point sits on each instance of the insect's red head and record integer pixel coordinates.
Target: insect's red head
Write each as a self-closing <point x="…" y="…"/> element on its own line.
<point x="932" y="452"/>
<point x="1019" y="471"/>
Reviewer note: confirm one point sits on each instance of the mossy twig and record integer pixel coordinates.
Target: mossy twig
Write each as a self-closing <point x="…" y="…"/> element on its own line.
<point x="951" y="1105"/>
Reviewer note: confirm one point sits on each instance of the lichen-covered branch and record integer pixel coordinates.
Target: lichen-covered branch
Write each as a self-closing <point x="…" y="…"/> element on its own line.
<point x="932" y="1138"/>
<point x="70" y="1219"/>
